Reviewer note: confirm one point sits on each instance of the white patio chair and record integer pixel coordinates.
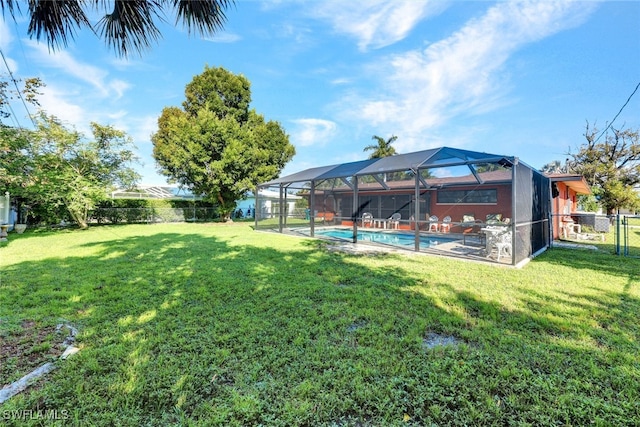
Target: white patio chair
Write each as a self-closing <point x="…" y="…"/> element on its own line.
<point x="367" y="219"/>
<point x="433" y="223"/>
<point x="394" y="221"/>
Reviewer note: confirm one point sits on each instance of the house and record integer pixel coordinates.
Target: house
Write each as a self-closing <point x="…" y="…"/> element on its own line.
<point x="565" y="189"/>
<point x="268" y="204"/>
<point x="445" y="182"/>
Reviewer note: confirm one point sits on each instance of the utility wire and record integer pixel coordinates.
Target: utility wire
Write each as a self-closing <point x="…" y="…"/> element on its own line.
<point x="622" y="108"/>
<point x="15" y="83"/>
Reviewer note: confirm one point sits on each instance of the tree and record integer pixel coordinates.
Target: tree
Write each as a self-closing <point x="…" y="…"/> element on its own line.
<point x="64" y="169"/>
<point x="215" y="145"/>
<point x="383" y="147"/>
<point x="29" y="93"/>
<point x="130" y="25"/>
<point x="553" y="167"/>
<point x="611" y="167"/>
<point x="14" y="161"/>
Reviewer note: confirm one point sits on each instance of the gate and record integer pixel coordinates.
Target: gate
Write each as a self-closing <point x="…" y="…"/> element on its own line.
<point x="628" y="235"/>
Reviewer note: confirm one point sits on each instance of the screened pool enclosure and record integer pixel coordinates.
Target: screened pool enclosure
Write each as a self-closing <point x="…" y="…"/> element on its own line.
<point x="448" y="201"/>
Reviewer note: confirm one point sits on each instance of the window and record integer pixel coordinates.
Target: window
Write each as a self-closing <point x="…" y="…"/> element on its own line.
<point x="467" y="196"/>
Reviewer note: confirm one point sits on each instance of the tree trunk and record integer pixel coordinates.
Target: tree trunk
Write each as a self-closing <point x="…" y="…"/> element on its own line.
<point x="224" y="212"/>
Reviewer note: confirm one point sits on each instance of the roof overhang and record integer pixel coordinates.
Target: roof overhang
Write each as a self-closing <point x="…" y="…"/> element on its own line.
<point x="575" y="182"/>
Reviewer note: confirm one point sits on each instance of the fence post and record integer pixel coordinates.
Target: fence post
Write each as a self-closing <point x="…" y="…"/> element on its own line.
<point x="617" y="234"/>
<point x="625" y="227"/>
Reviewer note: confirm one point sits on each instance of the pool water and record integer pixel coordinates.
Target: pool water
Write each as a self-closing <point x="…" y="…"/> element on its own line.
<point x="396" y="239"/>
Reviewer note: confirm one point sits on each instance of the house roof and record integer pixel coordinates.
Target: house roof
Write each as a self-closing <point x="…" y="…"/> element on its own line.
<point x="492" y="177"/>
<point x="575" y="182"/>
<point x="419" y="160"/>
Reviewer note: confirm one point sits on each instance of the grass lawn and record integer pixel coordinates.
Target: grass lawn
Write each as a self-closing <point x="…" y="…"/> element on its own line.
<point x="207" y="324"/>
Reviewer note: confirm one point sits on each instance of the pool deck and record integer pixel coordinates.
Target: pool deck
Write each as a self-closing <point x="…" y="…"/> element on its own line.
<point x="459" y="246"/>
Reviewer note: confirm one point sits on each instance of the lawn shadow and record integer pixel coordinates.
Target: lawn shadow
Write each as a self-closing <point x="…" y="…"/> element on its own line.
<point x="184" y="326"/>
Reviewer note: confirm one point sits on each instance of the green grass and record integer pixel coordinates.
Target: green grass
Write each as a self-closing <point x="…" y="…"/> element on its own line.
<point x="200" y="324"/>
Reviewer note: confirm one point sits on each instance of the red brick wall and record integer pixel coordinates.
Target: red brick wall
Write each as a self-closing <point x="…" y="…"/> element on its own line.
<point x="480" y="211"/>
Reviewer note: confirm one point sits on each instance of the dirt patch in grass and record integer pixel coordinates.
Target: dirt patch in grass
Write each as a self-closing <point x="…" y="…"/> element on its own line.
<point x="27" y="346"/>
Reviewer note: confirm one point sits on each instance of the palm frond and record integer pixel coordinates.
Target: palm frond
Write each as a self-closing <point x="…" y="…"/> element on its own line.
<point x="56" y="20"/>
<point x="130" y="26"/>
<point x="203" y="16"/>
<point x="11" y="6"/>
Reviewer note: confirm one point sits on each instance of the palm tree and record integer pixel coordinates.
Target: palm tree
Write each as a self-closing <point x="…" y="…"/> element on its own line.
<point x="383" y="147"/>
<point x="130" y="25"/>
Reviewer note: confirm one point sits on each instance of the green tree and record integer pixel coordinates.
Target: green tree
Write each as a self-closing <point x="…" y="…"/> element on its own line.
<point x="29" y="93"/>
<point x="15" y="165"/>
<point x="66" y="170"/>
<point x="215" y="145"/>
<point x="129" y="25"/>
<point x="554" y="166"/>
<point x="611" y="167"/>
<point x="382" y="148"/>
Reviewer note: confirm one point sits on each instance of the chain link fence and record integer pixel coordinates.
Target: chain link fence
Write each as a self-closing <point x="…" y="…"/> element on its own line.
<point x="617" y="234"/>
<point x="148" y="215"/>
<point x="627" y="228"/>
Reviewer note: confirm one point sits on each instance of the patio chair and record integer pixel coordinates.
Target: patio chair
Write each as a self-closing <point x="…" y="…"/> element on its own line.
<point x="445" y="227"/>
<point x="468" y="219"/>
<point x="503" y="245"/>
<point x="471" y="229"/>
<point x="493" y="218"/>
<point x="394" y="220"/>
<point x="433" y="223"/>
<point x="367" y="219"/>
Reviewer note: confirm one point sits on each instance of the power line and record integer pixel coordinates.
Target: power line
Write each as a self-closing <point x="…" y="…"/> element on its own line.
<point x="621" y="108"/>
<point x="15" y="83"/>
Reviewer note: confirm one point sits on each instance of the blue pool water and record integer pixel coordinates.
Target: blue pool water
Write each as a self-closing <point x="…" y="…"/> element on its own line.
<point x="393" y="238"/>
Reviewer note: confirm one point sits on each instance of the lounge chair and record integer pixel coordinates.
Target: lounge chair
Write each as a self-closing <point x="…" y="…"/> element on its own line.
<point x="493" y="219"/>
<point x="394" y="220"/>
<point x="471" y="229"/>
<point x="433" y="223"/>
<point x="325" y="217"/>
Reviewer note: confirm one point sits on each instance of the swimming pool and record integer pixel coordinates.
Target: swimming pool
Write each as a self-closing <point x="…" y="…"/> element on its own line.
<point x="387" y="238"/>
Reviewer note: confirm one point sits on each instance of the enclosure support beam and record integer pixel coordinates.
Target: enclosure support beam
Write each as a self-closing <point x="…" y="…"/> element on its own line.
<point x="354" y="216"/>
<point x="514" y="213"/>
<point x="380" y="181"/>
<point x="347" y="183"/>
<point x="312" y="205"/>
<point x="285" y="207"/>
<point x="416" y="211"/>
<point x="280" y="208"/>
<point x="255" y="209"/>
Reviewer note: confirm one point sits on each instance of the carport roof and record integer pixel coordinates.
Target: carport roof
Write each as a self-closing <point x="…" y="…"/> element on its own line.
<point x="432" y="158"/>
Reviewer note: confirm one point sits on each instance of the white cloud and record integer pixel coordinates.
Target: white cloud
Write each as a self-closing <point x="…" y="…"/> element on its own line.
<point x="95" y="76"/>
<point x="6" y="39"/>
<point x="308" y="132"/>
<point x="223" y="38"/>
<point x="376" y="23"/>
<point x="462" y="74"/>
<point x="5" y="35"/>
<point x="142" y="128"/>
<point x="54" y="101"/>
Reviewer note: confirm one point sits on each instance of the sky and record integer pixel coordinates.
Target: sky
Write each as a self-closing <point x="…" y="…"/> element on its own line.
<point x="519" y="79"/>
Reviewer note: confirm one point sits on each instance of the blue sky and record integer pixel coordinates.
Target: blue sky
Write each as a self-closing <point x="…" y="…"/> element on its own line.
<point x="512" y="78"/>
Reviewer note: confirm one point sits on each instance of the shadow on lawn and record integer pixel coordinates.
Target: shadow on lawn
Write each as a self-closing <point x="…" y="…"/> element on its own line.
<point x="192" y="325"/>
